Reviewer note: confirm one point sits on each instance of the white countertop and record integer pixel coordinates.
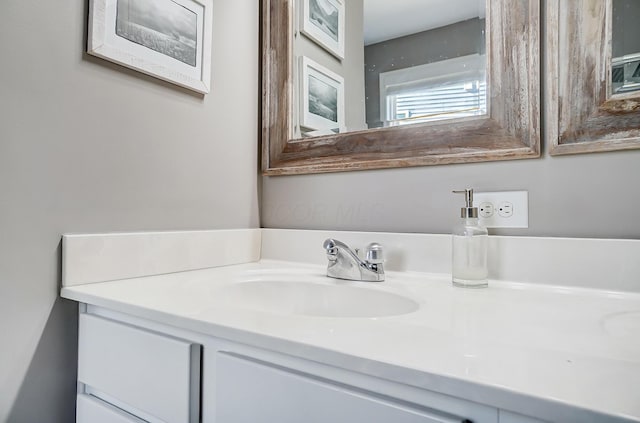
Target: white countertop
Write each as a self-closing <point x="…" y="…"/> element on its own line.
<point x="539" y="349"/>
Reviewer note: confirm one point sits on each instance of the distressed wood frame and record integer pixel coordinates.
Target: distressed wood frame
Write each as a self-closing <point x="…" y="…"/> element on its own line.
<point x="510" y="131"/>
<point x="583" y="117"/>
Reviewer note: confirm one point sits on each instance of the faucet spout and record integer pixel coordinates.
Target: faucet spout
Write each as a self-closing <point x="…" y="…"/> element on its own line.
<point x="344" y="263"/>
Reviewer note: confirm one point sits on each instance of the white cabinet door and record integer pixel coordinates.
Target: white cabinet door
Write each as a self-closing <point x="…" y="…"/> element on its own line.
<point x="150" y="372"/>
<point x="92" y="410"/>
<point x="254" y="392"/>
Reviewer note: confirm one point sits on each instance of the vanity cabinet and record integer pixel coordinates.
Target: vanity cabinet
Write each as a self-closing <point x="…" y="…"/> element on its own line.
<point x="94" y="410"/>
<point x="141" y="371"/>
<point x="133" y="370"/>
<point x="251" y="391"/>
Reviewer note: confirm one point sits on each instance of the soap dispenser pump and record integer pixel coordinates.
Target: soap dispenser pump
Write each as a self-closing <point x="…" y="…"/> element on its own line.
<point x="470" y="242"/>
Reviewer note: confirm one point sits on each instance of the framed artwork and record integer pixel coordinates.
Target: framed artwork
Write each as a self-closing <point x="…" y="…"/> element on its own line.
<point x="323" y="22"/>
<point x="167" y="39"/>
<point x="322" y="97"/>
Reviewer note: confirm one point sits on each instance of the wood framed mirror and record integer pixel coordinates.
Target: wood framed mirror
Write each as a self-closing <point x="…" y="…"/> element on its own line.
<point x="593" y="100"/>
<point x="510" y="128"/>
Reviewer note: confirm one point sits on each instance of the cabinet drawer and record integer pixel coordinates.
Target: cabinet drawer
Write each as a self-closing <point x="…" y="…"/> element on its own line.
<point x="92" y="410"/>
<point x="249" y="391"/>
<point x="156" y="374"/>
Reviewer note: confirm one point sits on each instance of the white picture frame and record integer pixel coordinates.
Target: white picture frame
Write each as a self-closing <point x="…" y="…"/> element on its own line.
<point x="167" y="39"/>
<point x="321" y="98"/>
<point x="323" y="21"/>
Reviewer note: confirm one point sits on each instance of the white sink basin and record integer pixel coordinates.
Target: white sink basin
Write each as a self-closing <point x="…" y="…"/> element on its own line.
<point x="314" y="299"/>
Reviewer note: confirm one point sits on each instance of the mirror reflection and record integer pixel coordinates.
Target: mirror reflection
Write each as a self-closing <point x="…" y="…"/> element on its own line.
<point x="625" y="46"/>
<point x="364" y="64"/>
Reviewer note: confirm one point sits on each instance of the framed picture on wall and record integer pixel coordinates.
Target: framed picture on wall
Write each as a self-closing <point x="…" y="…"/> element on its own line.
<point x="323" y="22"/>
<point x="167" y="39"/>
<point x="321" y="98"/>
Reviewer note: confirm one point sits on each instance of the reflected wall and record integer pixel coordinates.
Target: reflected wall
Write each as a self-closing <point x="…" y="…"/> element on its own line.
<point x="447" y="42"/>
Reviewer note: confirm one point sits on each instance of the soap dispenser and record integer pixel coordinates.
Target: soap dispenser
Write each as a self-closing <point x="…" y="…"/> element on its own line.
<point x="470" y="243"/>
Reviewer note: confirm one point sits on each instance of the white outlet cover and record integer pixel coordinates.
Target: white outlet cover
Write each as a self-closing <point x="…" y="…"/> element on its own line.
<point x="520" y="213"/>
<point x="485" y="209"/>
<point x="505" y="209"/>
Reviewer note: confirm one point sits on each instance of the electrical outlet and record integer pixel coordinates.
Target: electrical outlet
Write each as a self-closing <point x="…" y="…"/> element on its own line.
<point x="486" y="210"/>
<point x="503" y="209"/>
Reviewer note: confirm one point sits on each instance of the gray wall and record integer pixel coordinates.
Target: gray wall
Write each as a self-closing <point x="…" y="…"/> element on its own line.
<point x="447" y="42"/>
<point x="350" y="68"/>
<point x="87" y="146"/>
<point x="588" y="195"/>
<point x="591" y="195"/>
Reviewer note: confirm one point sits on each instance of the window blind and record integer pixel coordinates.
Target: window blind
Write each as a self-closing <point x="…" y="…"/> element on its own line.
<point x="445" y="101"/>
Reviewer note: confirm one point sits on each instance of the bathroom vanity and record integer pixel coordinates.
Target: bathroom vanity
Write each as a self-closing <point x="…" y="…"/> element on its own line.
<point x="244" y="326"/>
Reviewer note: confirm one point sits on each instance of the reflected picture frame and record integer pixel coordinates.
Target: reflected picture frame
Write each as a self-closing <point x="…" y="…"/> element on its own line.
<point x="321" y="99"/>
<point x="167" y="39"/>
<point x="323" y="21"/>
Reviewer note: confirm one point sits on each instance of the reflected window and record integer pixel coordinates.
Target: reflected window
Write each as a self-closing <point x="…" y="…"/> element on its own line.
<point x="626" y="73"/>
<point x="447" y="54"/>
<point x="448" y="89"/>
<point x="454" y="100"/>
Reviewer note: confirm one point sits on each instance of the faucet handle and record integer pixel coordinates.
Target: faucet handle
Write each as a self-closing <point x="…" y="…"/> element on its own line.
<point x="329" y="244"/>
<point x="331" y="249"/>
<point x="374" y="253"/>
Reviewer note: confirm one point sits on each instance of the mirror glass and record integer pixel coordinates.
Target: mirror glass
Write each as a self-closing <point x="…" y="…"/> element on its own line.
<point x="365" y="64"/>
<point x="625" y="44"/>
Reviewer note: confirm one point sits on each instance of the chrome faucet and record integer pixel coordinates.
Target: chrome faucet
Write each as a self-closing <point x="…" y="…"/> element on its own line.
<point x="344" y="263"/>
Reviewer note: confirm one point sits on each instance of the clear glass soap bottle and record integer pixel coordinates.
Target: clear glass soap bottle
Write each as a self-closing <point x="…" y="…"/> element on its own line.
<point x="470" y="243"/>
